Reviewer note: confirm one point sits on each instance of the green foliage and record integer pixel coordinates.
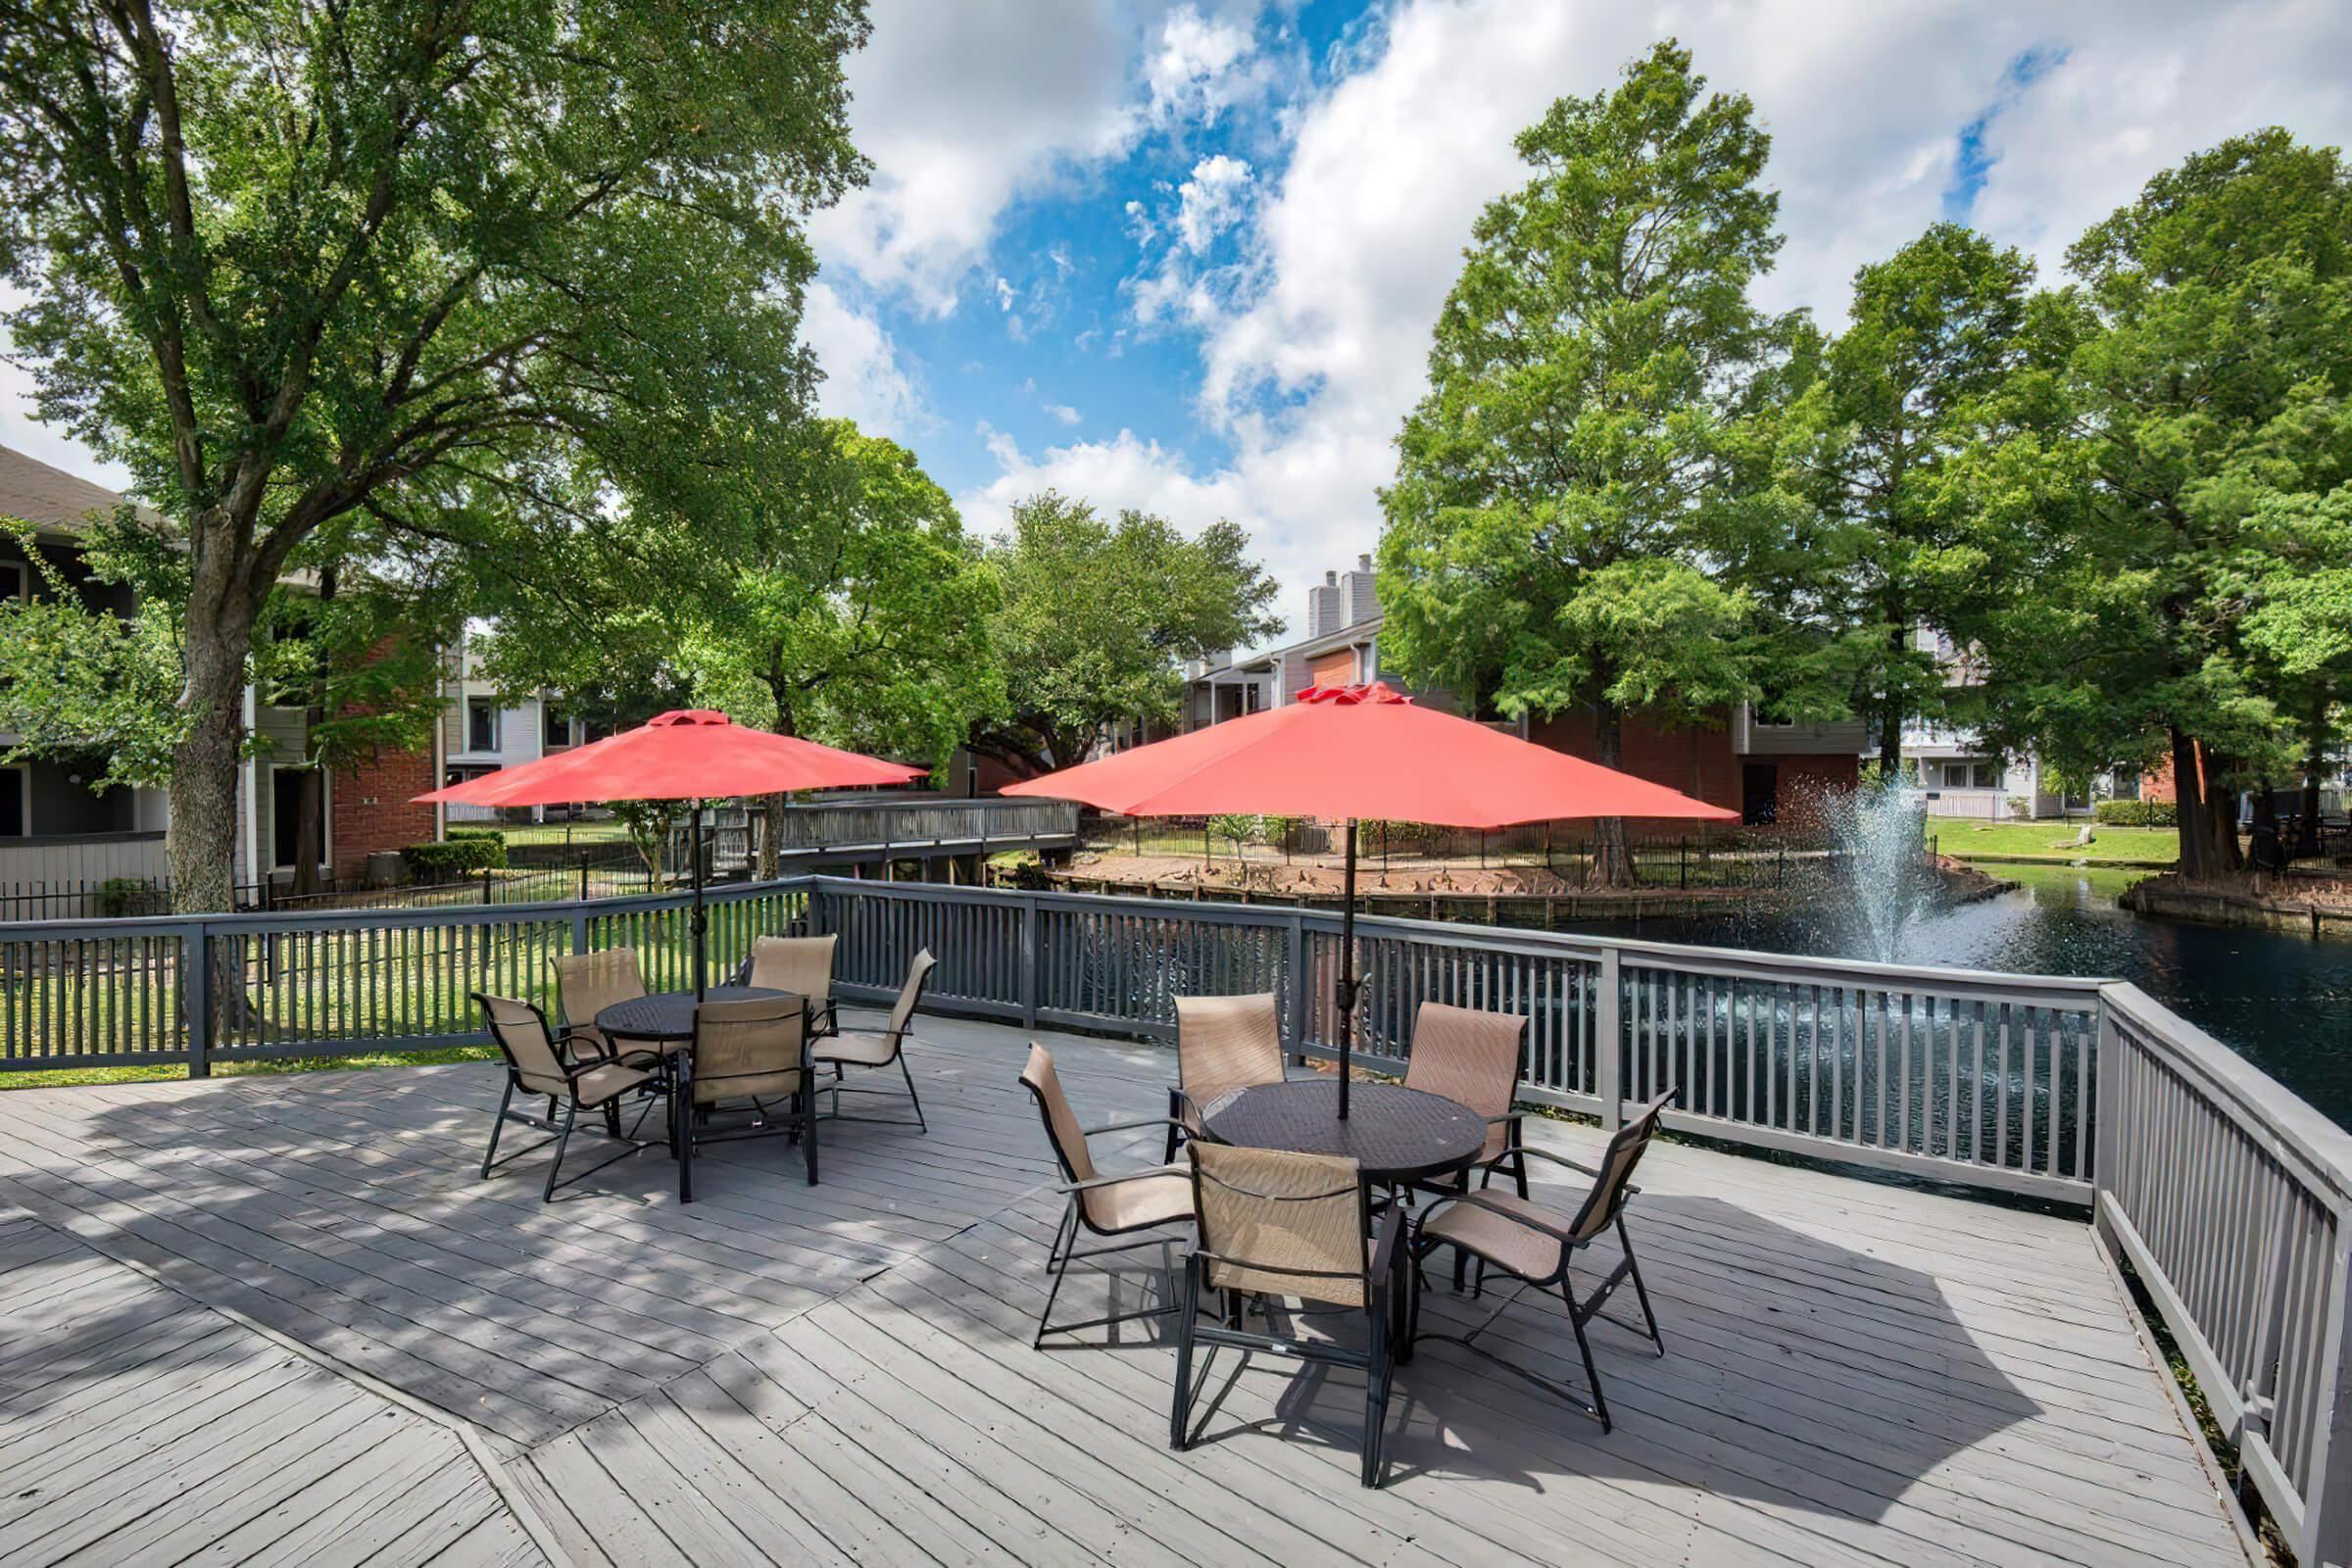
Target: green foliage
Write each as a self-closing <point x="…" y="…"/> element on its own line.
<point x="649" y="824"/>
<point x="1896" y="402"/>
<point x="1097" y="615"/>
<point x="447" y="860"/>
<point x="456" y="831"/>
<point x="2137" y="814"/>
<point x="1549" y="537"/>
<point x="1237" y="829"/>
<point x="79" y="680"/>
<point x="2179" y="517"/>
<point x="121" y="896"/>
<point x="441" y="277"/>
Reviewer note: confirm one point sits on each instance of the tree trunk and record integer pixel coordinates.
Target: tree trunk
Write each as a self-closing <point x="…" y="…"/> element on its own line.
<point x="1612" y="855"/>
<point x="2263" y="850"/>
<point x="200" y="847"/>
<point x="773" y="807"/>
<point x="2220" y="806"/>
<point x="2189" y="808"/>
<point x="310" y="826"/>
<point x="2315" y="765"/>
<point x="1890" y="708"/>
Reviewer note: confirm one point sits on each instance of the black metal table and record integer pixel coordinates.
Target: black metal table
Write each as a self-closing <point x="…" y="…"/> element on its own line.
<point x="1394" y="1134"/>
<point x="662" y="1017"/>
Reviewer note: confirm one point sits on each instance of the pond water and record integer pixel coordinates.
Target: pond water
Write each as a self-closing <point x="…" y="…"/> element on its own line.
<point x="2285" y="1002"/>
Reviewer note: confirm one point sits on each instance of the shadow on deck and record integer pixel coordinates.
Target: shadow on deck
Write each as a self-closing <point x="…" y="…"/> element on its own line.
<point x="1855" y="1372"/>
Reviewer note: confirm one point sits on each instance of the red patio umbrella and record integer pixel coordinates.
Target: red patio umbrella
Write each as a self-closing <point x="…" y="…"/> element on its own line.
<point x="692" y="755"/>
<point x="1357" y="751"/>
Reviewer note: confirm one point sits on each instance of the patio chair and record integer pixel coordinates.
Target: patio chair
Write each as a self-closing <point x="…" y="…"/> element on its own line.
<point x="587" y="983"/>
<point x="1222" y="1044"/>
<point x="800" y="964"/>
<point x="1472" y="1058"/>
<point x="753" y="1052"/>
<point x="1536" y="1247"/>
<point x="1281" y="1224"/>
<point x="1118" y="1204"/>
<point x="879" y="1048"/>
<point x="545" y="1061"/>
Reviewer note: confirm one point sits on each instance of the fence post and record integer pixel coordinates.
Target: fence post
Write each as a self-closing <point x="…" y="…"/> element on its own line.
<point x="1608" y="1045"/>
<point x="196" y="997"/>
<point x="1029" y="961"/>
<point x="2327" y="1495"/>
<point x="1295" y="961"/>
<point x="583" y="880"/>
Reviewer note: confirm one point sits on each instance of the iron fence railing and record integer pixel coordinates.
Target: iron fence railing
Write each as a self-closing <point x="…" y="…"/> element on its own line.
<point x="2229" y="1198"/>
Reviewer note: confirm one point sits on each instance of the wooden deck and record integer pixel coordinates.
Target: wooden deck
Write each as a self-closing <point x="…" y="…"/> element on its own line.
<point x="282" y="1318"/>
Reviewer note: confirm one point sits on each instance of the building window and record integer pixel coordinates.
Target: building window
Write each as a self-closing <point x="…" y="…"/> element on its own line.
<point x="16" y="580"/>
<point x="16" y="809"/>
<point x="481" y="724"/>
<point x="285" y="816"/>
<point x="555" y="729"/>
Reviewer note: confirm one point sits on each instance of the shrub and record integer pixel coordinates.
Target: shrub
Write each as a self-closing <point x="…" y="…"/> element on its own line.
<point x="119" y="896"/>
<point x="2137" y="814"/>
<point x="475" y="830"/>
<point x="447" y="860"/>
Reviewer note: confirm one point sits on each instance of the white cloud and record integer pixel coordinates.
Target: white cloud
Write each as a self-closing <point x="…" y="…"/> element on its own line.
<point x="1212" y="201"/>
<point x="1192" y="73"/>
<point x="1064" y="413"/>
<point x="864" y="380"/>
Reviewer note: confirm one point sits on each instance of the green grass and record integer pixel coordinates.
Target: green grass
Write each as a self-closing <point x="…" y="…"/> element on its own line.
<point x="78" y="1077"/>
<point x="2053" y="841"/>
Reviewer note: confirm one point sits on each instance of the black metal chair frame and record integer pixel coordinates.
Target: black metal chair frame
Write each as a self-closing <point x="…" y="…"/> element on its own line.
<point x="1580" y="1312"/>
<point x="1378" y="1360"/>
<point x="560" y="1136"/>
<point x="840" y="1087"/>
<point x="1063" y="1252"/>
<point x="799" y="1124"/>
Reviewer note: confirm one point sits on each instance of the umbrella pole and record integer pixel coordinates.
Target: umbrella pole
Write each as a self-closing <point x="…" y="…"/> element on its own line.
<point x="700" y="923"/>
<point x="1348" y="982"/>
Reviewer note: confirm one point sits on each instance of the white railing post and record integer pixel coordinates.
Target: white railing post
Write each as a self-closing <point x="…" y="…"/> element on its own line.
<point x="1608" y="1043"/>
<point x="2326" y="1536"/>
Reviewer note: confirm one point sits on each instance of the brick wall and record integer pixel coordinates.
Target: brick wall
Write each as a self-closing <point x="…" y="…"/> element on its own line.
<point x="373" y="808"/>
<point x="2157" y="783"/>
<point x="1700" y="762"/>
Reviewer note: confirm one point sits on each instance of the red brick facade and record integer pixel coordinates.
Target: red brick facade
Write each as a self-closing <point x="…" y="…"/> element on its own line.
<point x="1700" y="762"/>
<point x="373" y="808"/>
<point x="2156" y="784"/>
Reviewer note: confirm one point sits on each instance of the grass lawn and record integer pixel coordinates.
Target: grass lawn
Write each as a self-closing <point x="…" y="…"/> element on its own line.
<point x="75" y="1077"/>
<point x="2053" y="841"/>
<point x="604" y="832"/>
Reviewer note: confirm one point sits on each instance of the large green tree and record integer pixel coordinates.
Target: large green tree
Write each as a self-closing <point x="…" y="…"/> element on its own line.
<point x="816" y="581"/>
<point x="1935" y="334"/>
<point x="1548" y="531"/>
<point x="2204" y="403"/>
<point x="1095" y="618"/>
<point x="294" y="261"/>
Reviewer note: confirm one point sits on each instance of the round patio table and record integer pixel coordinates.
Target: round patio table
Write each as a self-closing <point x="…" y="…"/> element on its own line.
<point x="1394" y="1134"/>
<point x="663" y="1017"/>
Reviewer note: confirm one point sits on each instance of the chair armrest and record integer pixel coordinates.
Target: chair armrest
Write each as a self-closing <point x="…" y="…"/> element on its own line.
<point x="1129" y="1126"/>
<point x="1094" y="1181"/>
<point x="1577" y="1166"/>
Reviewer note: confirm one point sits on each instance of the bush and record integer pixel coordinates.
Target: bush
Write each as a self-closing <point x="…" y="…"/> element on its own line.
<point x="447" y="859"/>
<point x="476" y="831"/>
<point x="119" y="896"/>
<point x="2137" y="814"/>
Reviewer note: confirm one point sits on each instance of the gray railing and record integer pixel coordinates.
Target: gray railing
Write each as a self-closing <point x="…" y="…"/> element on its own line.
<point x="856" y="823"/>
<point x="2228" y="1197"/>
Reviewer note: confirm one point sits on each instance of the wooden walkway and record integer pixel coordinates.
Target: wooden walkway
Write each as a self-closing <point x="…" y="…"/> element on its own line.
<point x="280" y="1317"/>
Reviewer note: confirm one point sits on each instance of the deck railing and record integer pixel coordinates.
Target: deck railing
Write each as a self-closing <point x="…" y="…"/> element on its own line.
<point x="2228" y="1197"/>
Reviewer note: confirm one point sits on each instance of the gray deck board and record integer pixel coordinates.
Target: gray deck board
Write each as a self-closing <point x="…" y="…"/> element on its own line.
<point x="1860" y="1373"/>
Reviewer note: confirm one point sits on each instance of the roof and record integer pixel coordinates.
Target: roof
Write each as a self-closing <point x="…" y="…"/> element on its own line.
<point x="49" y="498"/>
<point x="1268" y="660"/>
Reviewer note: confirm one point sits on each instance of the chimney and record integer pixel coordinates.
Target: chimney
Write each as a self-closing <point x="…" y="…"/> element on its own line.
<point x="1359" y="602"/>
<point x="1324" y="607"/>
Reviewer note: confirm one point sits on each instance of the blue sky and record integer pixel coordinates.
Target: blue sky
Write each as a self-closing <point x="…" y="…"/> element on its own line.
<point x="1185" y="255"/>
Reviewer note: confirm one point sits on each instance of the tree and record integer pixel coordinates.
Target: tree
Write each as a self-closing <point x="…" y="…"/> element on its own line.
<point x="1935" y="333"/>
<point x="294" y="263"/>
<point x="2206" y="392"/>
<point x="1548" y="531"/>
<point x="1097" y="616"/>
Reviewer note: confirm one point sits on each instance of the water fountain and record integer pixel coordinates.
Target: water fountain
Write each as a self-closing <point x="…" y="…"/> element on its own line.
<point x="1882" y="878"/>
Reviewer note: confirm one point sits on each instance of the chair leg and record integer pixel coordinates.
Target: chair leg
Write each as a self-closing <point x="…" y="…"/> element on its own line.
<point x="562" y="1140"/>
<point x="809" y="1127"/>
<point x="1583" y="1348"/>
<point x="1640" y="1290"/>
<point x="1376" y="1392"/>
<point x="1059" y="1262"/>
<point x="1180" y="1415"/>
<point x="497" y="1126"/>
<point x="908" y="1073"/>
<point x="1175" y="1097"/>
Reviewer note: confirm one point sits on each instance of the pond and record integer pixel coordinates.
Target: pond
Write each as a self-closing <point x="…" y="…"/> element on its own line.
<point x="2283" y="1000"/>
